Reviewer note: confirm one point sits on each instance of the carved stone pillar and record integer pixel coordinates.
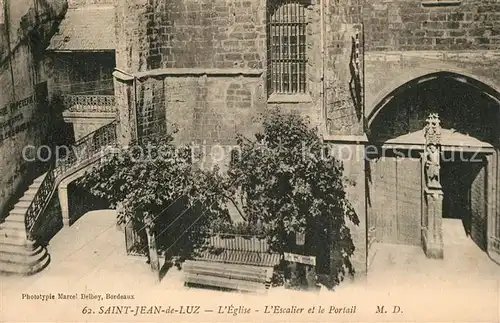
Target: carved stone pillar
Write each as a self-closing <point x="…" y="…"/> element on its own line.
<point x="152" y="250"/>
<point x="64" y="202"/>
<point x="433" y="211"/>
<point x="432" y="224"/>
<point x="124" y="85"/>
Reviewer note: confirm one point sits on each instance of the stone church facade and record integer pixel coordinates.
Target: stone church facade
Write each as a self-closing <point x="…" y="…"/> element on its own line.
<point x="366" y="73"/>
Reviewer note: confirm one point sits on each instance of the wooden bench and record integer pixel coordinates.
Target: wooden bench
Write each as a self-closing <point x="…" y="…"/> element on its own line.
<point x="227" y="276"/>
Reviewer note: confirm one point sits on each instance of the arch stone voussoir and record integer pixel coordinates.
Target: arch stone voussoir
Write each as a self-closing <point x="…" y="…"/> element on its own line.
<point x="387" y="71"/>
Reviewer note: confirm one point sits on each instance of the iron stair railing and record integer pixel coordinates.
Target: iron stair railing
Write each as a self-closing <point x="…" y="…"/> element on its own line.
<point x="85" y="151"/>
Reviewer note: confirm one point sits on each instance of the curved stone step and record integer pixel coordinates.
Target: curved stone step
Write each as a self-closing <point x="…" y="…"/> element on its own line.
<point x="31" y="266"/>
<point x="17" y="241"/>
<point x="18" y="256"/>
<point x="17" y="249"/>
<point x="21" y="255"/>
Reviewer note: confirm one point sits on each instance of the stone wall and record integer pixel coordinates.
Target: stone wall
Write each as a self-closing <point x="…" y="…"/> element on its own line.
<point x="405" y="40"/>
<point x="204" y="34"/>
<point x="85" y="73"/>
<point x="222" y="36"/>
<point x="343" y="78"/>
<point x="387" y="71"/>
<point x="353" y="158"/>
<point x="206" y="51"/>
<point x="213" y="109"/>
<point x="408" y="25"/>
<point x="207" y="110"/>
<point x="202" y="66"/>
<point x="23" y="114"/>
<point x="343" y="107"/>
<point x="460" y="107"/>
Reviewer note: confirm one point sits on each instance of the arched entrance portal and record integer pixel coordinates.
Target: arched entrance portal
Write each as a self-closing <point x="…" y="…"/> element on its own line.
<point x="470" y="118"/>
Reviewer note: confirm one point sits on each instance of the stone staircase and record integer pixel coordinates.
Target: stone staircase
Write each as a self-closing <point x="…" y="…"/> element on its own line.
<point x="18" y="255"/>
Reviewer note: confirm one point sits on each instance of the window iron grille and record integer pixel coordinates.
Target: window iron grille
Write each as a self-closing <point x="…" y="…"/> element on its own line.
<point x="287" y="47"/>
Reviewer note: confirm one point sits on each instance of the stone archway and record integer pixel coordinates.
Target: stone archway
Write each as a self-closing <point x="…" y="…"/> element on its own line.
<point x="76" y="201"/>
<point x="470" y="115"/>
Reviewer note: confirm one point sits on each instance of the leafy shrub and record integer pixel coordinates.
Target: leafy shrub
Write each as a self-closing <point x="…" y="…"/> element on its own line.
<point x="291" y="187"/>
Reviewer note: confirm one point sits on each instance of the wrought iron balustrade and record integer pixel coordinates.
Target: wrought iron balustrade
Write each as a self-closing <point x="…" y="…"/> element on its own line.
<point x="84" y="152"/>
<point x="89" y="103"/>
<point x="39" y="201"/>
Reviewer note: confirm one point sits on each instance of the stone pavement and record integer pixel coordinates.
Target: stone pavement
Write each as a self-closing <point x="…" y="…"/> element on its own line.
<point x="462" y="259"/>
<point x="89" y="257"/>
<point x="89" y="247"/>
<point x="465" y="276"/>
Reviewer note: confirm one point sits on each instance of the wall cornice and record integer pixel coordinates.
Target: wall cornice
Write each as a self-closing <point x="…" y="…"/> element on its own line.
<point x="397" y="56"/>
<point x="180" y="72"/>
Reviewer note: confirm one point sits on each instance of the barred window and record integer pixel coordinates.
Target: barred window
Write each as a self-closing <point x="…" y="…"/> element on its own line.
<point x="286" y="48"/>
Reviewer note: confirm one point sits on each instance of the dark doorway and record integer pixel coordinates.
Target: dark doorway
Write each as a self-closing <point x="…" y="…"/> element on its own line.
<point x="456" y="181"/>
<point x="463" y="188"/>
<point x="82" y="201"/>
<point x="469" y="114"/>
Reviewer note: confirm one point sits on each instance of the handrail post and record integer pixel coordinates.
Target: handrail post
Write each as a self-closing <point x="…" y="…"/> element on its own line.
<point x="152" y="249"/>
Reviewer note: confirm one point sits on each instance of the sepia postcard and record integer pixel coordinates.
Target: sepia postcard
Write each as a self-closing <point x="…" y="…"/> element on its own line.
<point x="250" y="160"/>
